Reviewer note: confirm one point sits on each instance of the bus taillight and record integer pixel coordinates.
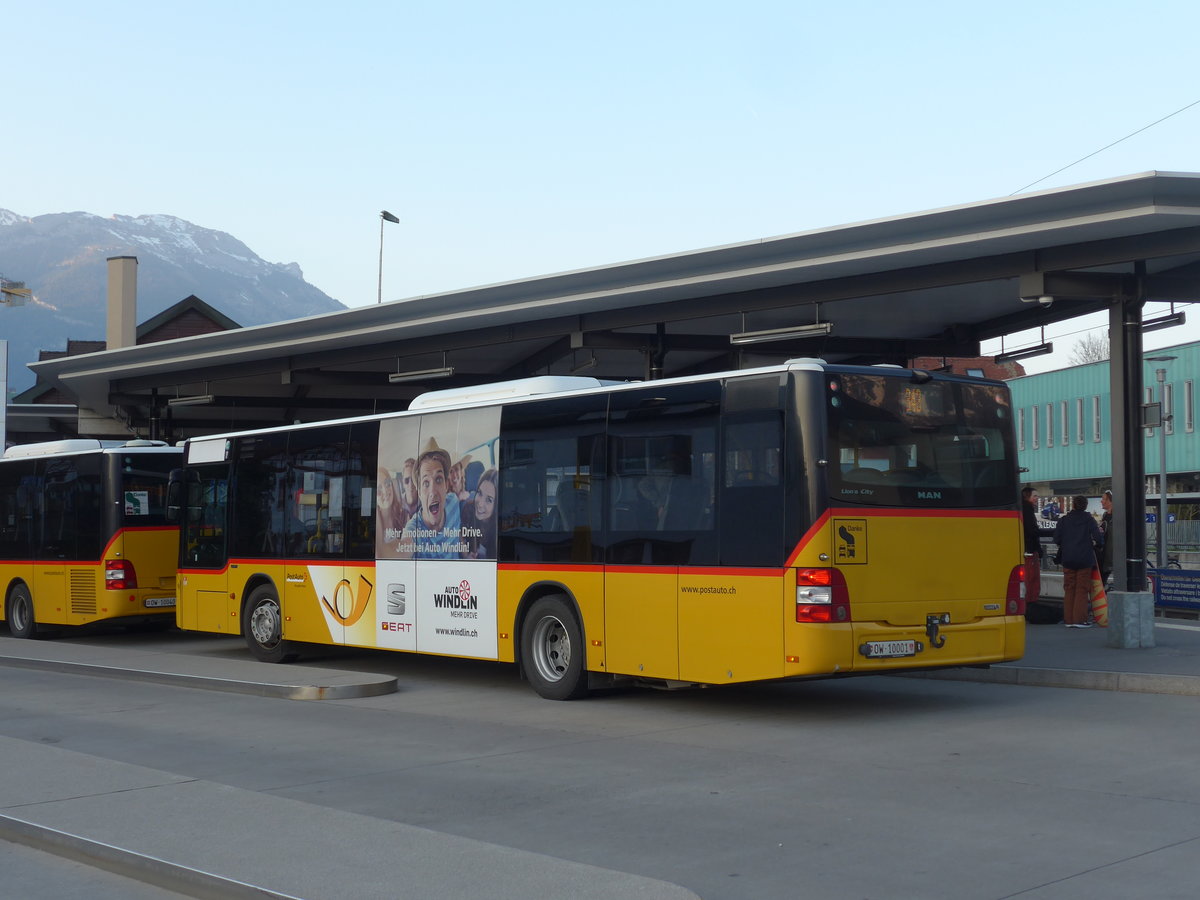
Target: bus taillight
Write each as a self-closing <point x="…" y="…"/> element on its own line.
<point x="1015" y="598"/>
<point x="119" y="575"/>
<point x="821" y="596"/>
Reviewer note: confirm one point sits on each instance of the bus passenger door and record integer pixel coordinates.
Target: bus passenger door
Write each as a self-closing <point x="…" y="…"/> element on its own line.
<point x="197" y="501"/>
<point x="319" y="601"/>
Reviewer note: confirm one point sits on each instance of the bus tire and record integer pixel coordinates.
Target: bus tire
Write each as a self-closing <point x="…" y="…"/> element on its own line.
<point x="19" y="613"/>
<point x="552" y="651"/>
<point x="262" y="626"/>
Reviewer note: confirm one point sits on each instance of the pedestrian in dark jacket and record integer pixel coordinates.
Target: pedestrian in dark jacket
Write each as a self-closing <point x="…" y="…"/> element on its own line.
<point x="1106" y="556"/>
<point x="1078" y="536"/>
<point x="1033" y="546"/>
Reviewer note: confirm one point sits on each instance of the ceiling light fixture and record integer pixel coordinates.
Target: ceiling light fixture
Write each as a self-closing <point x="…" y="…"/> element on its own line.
<point x="197" y="400"/>
<point x="794" y="332"/>
<point x="421" y="375"/>
<point x="1170" y="320"/>
<point x="1014" y="355"/>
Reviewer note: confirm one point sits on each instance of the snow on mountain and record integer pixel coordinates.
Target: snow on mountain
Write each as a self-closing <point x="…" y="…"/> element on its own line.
<point x="62" y="258"/>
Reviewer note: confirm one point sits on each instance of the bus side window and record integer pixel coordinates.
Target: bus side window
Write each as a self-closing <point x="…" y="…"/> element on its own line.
<point x="752" y="494"/>
<point x="259" y="487"/>
<point x="662" y="475"/>
<point x="73" y="494"/>
<point x="17" y="510"/>
<point x="316" y="492"/>
<point x="203" y="494"/>
<point x="361" y="468"/>
<point x="551" y="478"/>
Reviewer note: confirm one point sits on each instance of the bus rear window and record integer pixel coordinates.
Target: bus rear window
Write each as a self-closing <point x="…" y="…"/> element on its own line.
<point x="143" y="491"/>
<point x="941" y="444"/>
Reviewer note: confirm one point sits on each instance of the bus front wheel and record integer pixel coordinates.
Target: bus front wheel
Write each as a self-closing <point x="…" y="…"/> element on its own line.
<point x="262" y="626"/>
<point x="20" y="613"/>
<point x="552" y="653"/>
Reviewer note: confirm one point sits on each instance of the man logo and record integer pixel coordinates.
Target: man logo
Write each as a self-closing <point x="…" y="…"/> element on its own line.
<point x="395" y="600"/>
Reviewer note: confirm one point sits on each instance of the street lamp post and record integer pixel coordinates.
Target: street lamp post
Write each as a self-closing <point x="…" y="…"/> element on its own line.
<point x="384" y="216"/>
<point x="1160" y="375"/>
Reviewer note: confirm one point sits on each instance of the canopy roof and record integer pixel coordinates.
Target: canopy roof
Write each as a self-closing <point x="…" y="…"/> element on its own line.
<point x="927" y="284"/>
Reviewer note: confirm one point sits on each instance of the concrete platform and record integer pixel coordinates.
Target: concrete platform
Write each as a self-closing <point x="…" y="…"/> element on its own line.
<point x="245" y="844"/>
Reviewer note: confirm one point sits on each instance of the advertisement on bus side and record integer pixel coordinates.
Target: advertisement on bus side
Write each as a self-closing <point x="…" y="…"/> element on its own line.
<point x="435" y="547"/>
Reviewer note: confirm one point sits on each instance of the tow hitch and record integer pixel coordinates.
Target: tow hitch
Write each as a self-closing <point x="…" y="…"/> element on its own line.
<point x="933" y="622"/>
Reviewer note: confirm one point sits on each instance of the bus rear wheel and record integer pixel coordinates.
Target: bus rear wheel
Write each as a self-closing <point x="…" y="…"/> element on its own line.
<point x="20" y="613"/>
<point x="552" y="653"/>
<point x="262" y="627"/>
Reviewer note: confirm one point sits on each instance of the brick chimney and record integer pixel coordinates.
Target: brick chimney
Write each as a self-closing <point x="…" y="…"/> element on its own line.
<point x="122" y="302"/>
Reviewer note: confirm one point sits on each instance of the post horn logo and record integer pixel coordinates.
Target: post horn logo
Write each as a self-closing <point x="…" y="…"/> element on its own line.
<point x="348" y="607"/>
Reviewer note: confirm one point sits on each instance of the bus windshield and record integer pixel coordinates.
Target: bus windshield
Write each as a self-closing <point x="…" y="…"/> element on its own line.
<point x="938" y="444"/>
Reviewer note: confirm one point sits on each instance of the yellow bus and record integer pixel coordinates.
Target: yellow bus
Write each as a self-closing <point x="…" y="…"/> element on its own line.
<point x="795" y="521"/>
<point x="84" y="535"/>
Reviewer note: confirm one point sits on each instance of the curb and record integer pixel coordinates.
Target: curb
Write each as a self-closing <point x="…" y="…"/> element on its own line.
<point x="366" y="686"/>
<point x="1082" y="679"/>
<point x="135" y="866"/>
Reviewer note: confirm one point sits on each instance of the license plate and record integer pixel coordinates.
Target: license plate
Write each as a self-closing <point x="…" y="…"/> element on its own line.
<point x="160" y="601"/>
<point x="888" y="649"/>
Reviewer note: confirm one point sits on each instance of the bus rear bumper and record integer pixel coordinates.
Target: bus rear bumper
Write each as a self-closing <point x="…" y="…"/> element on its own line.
<point x="867" y="647"/>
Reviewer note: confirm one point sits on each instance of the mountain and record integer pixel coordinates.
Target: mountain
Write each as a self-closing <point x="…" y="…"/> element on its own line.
<point x="62" y="258"/>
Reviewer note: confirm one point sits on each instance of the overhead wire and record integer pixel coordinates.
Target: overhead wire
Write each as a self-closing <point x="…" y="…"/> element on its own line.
<point x="1106" y="147"/>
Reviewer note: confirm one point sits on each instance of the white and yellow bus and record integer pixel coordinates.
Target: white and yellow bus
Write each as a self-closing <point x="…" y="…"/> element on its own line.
<point x="84" y="535"/>
<point x="795" y="521"/>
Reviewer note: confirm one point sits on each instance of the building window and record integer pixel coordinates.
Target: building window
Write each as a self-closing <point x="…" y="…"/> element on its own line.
<point x="1021" y="429"/>
<point x="1049" y="424"/>
<point x="975" y="373"/>
<point x="1079" y="420"/>
<point x="1168" y="402"/>
<point x="1096" y="418"/>
<point x="1189" y="416"/>
<point x="1033" y="428"/>
<point x="1065" y="424"/>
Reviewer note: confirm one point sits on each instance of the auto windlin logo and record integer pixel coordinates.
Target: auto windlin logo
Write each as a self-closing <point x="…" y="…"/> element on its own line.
<point x="459" y="600"/>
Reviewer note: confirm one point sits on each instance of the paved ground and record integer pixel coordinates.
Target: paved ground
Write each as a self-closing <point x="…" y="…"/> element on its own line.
<point x="72" y="804"/>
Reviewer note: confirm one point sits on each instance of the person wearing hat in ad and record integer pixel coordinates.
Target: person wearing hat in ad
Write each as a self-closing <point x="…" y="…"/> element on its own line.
<point x="458" y="479"/>
<point x="435" y="531"/>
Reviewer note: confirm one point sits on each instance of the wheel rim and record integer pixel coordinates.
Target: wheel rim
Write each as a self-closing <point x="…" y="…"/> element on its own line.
<point x="20" y="613"/>
<point x="551" y="649"/>
<point x="265" y="624"/>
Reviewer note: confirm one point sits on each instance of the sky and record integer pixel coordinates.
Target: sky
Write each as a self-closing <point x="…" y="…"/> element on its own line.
<point x="520" y="139"/>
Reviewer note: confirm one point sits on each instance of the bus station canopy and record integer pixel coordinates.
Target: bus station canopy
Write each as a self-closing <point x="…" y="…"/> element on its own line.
<point x="932" y="283"/>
